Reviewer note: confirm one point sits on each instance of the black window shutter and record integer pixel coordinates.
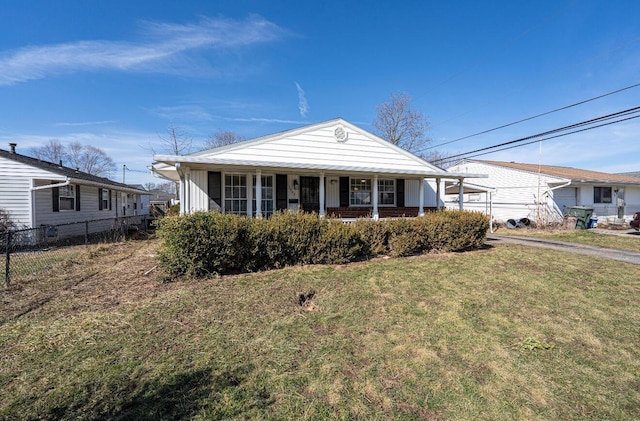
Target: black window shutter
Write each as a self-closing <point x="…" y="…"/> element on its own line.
<point x="400" y="192"/>
<point x="281" y="191"/>
<point x="109" y="199"/>
<point x="215" y="187"/>
<point x="344" y="192"/>
<point x="99" y="198"/>
<point x="56" y="198"/>
<point x="77" y="198"/>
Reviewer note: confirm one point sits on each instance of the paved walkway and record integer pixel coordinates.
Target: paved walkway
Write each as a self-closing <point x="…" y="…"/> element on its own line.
<point x="613" y="254"/>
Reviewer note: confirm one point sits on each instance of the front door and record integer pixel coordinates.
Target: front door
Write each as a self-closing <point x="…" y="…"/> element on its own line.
<point x="310" y="194"/>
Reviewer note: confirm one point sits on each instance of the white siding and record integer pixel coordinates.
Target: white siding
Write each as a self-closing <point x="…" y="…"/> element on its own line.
<point x="319" y="147"/>
<point x="89" y="207"/>
<point x="15" y="184"/>
<point x="515" y="194"/>
<point x="332" y="191"/>
<point x="197" y="196"/>
<point x="565" y="197"/>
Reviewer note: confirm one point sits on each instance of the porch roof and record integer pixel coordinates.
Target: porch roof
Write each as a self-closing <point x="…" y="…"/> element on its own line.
<point x="165" y="166"/>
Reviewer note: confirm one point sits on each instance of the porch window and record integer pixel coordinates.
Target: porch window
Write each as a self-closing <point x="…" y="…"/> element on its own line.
<point x="235" y="194"/>
<point x="361" y="192"/>
<point x="602" y="195"/>
<point x="67" y="197"/>
<point x="387" y="192"/>
<point x="267" y="195"/>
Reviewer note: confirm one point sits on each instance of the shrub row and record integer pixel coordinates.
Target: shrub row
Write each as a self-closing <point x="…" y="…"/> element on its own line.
<point x="202" y="244"/>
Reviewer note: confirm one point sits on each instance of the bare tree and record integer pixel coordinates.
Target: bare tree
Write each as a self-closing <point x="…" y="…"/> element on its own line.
<point x="53" y="151"/>
<point x="86" y="158"/>
<point x="89" y="159"/>
<point x="222" y="138"/>
<point x="398" y="123"/>
<point x="175" y="142"/>
<point x="168" y="187"/>
<point x="438" y="158"/>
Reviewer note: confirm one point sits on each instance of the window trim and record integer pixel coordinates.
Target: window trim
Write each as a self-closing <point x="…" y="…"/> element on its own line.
<point x="392" y="191"/>
<point x="238" y="199"/>
<point x="104" y="200"/>
<point x="68" y="196"/>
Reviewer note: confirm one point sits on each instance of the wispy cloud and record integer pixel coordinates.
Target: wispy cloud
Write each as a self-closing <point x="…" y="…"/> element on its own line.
<point x="155" y="53"/>
<point x="265" y="120"/>
<point x="85" y="123"/>
<point x="303" y="106"/>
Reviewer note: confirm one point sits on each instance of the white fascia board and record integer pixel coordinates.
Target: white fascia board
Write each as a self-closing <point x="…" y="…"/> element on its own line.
<point x="172" y="159"/>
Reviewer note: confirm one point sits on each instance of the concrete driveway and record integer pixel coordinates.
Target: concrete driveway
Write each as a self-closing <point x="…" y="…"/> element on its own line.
<point x="613" y="254"/>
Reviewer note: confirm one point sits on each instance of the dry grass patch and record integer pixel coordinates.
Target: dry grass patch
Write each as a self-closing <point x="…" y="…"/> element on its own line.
<point x="499" y="333"/>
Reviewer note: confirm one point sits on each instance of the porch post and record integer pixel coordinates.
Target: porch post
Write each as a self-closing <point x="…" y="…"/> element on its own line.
<point x="375" y="215"/>
<point x="421" y="201"/>
<point x="321" y="211"/>
<point x="258" y="194"/>
<point x="461" y="194"/>
<point x="437" y="194"/>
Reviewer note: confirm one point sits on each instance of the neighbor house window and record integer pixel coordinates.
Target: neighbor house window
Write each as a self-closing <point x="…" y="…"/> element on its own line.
<point x="67" y="197"/>
<point x="267" y="195"/>
<point x="235" y="194"/>
<point x="362" y="191"/>
<point x="360" y="194"/>
<point x="602" y="195"/>
<point x="104" y="199"/>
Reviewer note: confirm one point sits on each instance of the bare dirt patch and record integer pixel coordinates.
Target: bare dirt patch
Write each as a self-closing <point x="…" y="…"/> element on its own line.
<point x="101" y="277"/>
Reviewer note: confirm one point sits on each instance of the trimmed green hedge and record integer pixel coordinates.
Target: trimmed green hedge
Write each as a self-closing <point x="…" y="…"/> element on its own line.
<point x="207" y="243"/>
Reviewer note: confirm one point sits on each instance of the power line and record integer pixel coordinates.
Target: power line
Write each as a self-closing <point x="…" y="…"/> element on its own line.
<point x="536" y="116"/>
<point x="553" y="137"/>
<point x="561" y="129"/>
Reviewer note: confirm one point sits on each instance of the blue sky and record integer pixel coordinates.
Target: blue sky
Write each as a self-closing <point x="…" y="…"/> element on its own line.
<point x="116" y="74"/>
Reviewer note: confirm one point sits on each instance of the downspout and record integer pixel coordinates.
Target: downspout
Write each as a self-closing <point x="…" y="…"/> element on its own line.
<point x="181" y="188"/>
<point x="32" y="216"/>
<point x="50" y="186"/>
<point x="556" y="188"/>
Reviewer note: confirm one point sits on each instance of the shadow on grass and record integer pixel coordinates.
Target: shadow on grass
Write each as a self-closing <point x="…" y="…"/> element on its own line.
<point x="181" y="397"/>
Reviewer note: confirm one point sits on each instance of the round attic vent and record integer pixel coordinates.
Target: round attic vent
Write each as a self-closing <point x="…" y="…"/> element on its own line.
<point x="340" y="134"/>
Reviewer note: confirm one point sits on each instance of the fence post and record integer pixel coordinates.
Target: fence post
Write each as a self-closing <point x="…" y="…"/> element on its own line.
<point x="7" y="275"/>
<point x="86" y="233"/>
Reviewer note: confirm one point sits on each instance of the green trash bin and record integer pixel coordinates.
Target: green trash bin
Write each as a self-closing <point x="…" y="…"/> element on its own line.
<point x="583" y="214"/>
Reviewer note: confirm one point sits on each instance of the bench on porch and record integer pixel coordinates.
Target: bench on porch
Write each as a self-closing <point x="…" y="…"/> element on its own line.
<point x="383" y="212"/>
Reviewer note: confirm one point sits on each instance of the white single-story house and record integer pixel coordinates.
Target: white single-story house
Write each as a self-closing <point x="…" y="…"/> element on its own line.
<point x="543" y="193"/>
<point x="333" y="168"/>
<point x="37" y="193"/>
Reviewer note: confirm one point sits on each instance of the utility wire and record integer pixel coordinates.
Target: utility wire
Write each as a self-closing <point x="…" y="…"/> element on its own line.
<point x="536" y="116"/>
<point x="553" y="137"/>
<point x="561" y="129"/>
<point x="130" y="170"/>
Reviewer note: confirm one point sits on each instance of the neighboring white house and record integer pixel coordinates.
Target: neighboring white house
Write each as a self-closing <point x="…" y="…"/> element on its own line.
<point x="543" y="193"/>
<point x="37" y="193"/>
<point x="334" y="168"/>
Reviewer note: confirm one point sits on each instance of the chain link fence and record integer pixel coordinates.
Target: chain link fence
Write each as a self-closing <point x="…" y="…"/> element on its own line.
<point x="35" y="250"/>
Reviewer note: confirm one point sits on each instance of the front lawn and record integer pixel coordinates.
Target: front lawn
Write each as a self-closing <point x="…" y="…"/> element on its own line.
<point x="504" y="333"/>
